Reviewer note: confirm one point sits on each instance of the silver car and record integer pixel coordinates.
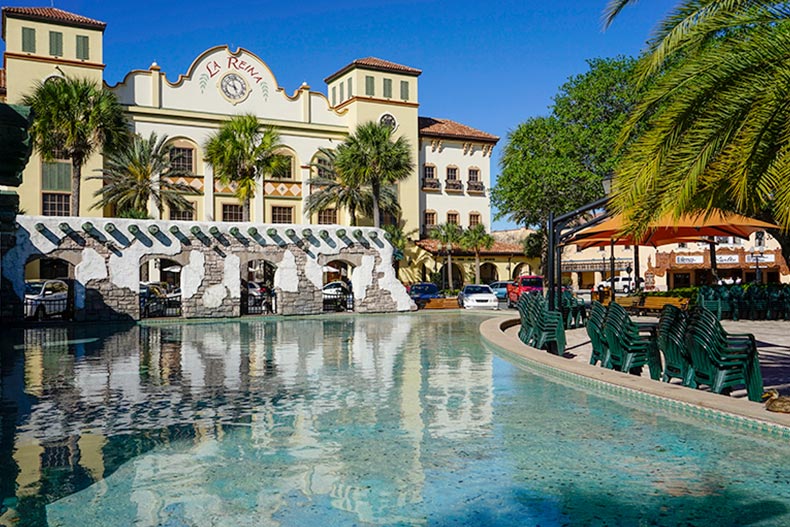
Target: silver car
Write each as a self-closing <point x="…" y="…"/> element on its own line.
<point x="45" y="298"/>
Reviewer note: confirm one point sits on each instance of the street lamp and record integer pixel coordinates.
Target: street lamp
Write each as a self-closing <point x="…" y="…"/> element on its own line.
<point x="757" y="256"/>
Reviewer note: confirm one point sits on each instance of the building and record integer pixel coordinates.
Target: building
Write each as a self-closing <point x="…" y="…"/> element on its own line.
<point x="450" y="182"/>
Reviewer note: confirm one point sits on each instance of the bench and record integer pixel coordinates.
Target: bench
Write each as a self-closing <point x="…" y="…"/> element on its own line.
<point x="629" y="303"/>
<point x="654" y="304"/>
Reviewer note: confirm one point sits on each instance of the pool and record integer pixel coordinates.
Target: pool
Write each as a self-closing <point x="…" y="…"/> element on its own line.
<point x="348" y="420"/>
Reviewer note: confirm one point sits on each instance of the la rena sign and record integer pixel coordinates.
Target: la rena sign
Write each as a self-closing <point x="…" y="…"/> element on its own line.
<point x="214" y="68"/>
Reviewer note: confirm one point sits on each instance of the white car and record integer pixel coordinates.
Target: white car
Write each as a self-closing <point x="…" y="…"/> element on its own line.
<point x="44" y="298"/>
<point x="622" y="284"/>
<point x="478" y="296"/>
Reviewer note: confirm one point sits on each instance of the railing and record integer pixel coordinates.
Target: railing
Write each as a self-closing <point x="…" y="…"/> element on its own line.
<point x="453" y="184"/>
<point x="338" y="302"/>
<point x="258" y="304"/>
<point x="154" y="306"/>
<point x="431" y="183"/>
<point x="44" y="308"/>
<point x="475" y="186"/>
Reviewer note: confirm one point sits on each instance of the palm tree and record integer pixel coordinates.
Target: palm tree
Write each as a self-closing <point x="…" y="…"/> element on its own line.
<point x="240" y="154"/>
<point x="335" y="189"/>
<point x="73" y="118"/>
<point x="139" y="172"/>
<point x="370" y="156"/>
<point x="448" y="234"/>
<point x="711" y="129"/>
<point x="476" y="239"/>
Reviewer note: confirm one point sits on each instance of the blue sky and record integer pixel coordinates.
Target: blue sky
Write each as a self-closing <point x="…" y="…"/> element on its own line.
<point x="489" y="65"/>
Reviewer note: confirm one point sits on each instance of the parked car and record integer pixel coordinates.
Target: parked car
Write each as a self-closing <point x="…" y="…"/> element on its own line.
<point x="527" y="283"/>
<point x="422" y="292"/>
<point x="499" y="289"/>
<point x="256" y="293"/>
<point x="336" y="296"/>
<point x="477" y="296"/>
<point x="622" y="284"/>
<point x="45" y="298"/>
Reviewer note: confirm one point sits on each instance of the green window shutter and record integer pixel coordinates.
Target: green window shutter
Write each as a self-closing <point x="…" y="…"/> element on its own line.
<point x="28" y="40"/>
<point x="342" y="92"/>
<point x="83" y="53"/>
<point x="369" y="86"/>
<point x="350" y="93"/>
<point x="334" y="96"/>
<point x="388" y="88"/>
<point x="404" y="90"/>
<point x="56" y="176"/>
<point x="56" y="43"/>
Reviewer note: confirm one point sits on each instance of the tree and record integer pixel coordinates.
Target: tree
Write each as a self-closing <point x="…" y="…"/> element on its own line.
<point x="73" y="118"/>
<point x="139" y="172"/>
<point x="557" y="163"/>
<point x="241" y="153"/>
<point x="476" y="239"/>
<point x="336" y="189"/>
<point x="370" y="156"/>
<point x="711" y="128"/>
<point x="448" y="234"/>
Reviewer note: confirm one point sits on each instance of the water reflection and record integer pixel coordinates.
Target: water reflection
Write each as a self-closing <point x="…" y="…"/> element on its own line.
<point x="234" y="418"/>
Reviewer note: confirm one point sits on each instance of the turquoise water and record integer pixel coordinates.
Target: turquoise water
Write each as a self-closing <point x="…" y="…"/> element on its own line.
<point x="378" y="420"/>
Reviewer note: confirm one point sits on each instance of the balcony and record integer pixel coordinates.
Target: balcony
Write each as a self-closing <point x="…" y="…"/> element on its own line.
<point x="431" y="183"/>
<point x="475" y="187"/>
<point x="453" y="185"/>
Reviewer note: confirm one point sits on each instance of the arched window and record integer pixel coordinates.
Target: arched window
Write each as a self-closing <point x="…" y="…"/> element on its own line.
<point x="182" y="156"/>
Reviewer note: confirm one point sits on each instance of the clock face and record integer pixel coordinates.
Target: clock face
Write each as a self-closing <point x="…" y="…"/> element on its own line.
<point x="388" y="120"/>
<point x="234" y="87"/>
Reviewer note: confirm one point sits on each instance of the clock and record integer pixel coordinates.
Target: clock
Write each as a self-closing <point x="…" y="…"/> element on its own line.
<point x="388" y="120"/>
<point x="234" y="87"/>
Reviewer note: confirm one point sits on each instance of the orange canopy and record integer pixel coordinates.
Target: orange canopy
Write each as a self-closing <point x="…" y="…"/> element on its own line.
<point x="669" y="229"/>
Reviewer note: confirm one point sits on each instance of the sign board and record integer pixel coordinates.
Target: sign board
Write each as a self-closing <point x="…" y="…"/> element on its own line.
<point x="728" y="259"/>
<point x="762" y="258"/>
<point x="684" y="259"/>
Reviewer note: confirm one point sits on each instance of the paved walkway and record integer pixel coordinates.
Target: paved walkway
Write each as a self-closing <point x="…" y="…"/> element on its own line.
<point x="773" y="341"/>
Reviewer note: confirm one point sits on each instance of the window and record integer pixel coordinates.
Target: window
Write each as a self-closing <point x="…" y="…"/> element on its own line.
<point x="56" y="43"/>
<point x="342" y="92"/>
<point x="452" y="173"/>
<point x="388" y="88"/>
<point x="334" y="96"/>
<point x="182" y="160"/>
<point x="429" y="171"/>
<point x="429" y="220"/>
<point x="56" y="175"/>
<point x="474" y="219"/>
<point x="83" y="53"/>
<point x="350" y="94"/>
<point x="183" y="215"/>
<point x="474" y="174"/>
<point x="601" y="248"/>
<point x="28" y="40"/>
<point x="682" y="245"/>
<point x="388" y="218"/>
<point x="324" y="169"/>
<point x="327" y="217"/>
<point x="231" y="212"/>
<point x="55" y="204"/>
<point x="404" y="90"/>
<point x="369" y="86"/>
<point x="284" y="170"/>
<point x="452" y="217"/>
<point x="282" y="214"/>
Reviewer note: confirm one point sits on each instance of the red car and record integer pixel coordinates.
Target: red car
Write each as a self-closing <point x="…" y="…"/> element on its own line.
<point x="526" y="283"/>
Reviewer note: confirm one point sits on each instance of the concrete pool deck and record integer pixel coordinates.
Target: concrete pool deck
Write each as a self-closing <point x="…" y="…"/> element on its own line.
<point x="773" y="341"/>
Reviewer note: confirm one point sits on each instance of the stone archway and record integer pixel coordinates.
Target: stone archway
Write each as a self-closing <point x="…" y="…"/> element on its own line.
<point x="519" y="269"/>
<point x="338" y="292"/>
<point x="488" y="273"/>
<point x="50" y="288"/>
<point x="458" y="277"/>
<point x="258" y="296"/>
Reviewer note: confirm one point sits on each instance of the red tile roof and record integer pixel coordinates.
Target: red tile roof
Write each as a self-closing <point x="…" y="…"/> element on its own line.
<point x="51" y="14"/>
<point x="499" y="248"/>
<point x="372" y="63"/>
<point x="431" y="127"/>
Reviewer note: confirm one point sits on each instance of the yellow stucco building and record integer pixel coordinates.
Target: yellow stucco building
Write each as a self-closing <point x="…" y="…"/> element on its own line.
<point x="449" y="184"/>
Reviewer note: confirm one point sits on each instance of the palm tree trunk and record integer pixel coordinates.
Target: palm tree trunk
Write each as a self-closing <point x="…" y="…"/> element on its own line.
<point x="76" y="180"/>
<point x="477" y="267"/>
<point x="245" y="210"/>
<point x="352" y="212"/>
<point x="375" y="187"/>
<point x="450" y="270"/>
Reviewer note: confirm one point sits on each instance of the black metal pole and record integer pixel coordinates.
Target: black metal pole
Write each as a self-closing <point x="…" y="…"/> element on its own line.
<point x="550" y="257"/>
<point x="636" y="268"/>
<point x="611" y="266"/>
<point x="558" y="265"/>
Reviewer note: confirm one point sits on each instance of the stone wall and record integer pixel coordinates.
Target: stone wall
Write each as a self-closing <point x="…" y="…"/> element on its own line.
<point x="106" y="254"/>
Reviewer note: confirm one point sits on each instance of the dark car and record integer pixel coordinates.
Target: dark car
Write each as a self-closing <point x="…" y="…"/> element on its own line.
<point x="422" y="292"/>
